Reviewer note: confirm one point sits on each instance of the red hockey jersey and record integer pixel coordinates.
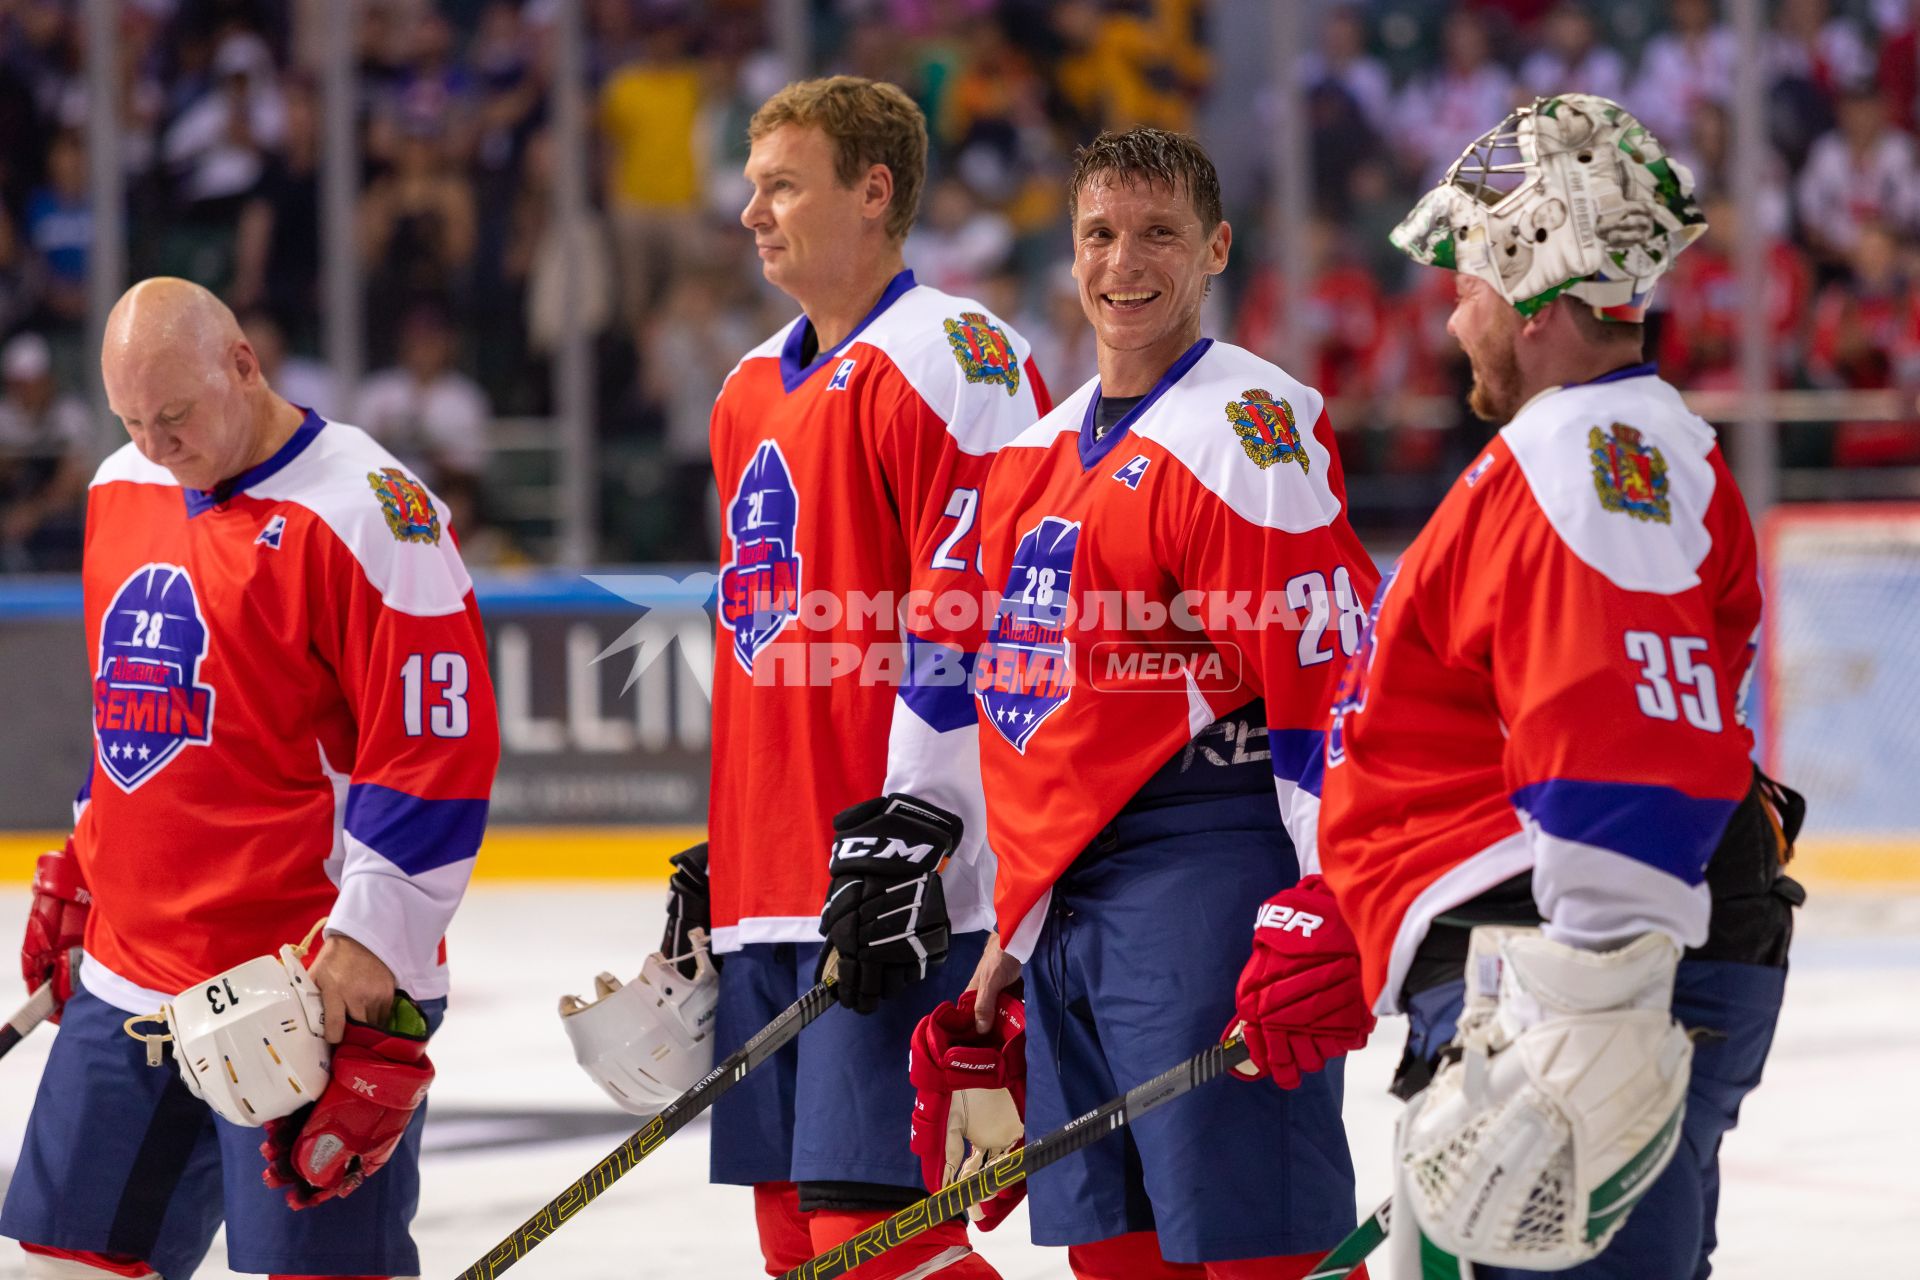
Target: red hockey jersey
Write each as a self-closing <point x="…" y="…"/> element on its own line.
<point x="292" y="717"/>
<point x="1549" y="683"/>
<point x="850" y="594"/>
<point x="1195" y="557"/>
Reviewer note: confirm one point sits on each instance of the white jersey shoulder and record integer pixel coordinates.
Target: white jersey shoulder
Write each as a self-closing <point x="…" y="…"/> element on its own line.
<point x="968" y="365"/>
<point x="1244" y="428"/>
<point x="1622" y="471"/>
<point x="362" y="493"/>
<point x="1064" y="417"/>
<point x="127" y="465"/>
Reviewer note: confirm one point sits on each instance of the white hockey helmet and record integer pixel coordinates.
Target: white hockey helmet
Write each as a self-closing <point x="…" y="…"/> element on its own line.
<point x="1570" y="195"/>
<point x="250" y="1042"/>
<point x="1540" y="1133"/>
<point x="649" y="1041"/>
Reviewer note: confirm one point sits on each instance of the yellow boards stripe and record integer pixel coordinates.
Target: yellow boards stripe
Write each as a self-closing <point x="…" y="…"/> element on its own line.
<point x="509" y="853"/>
<point x="641" y="853"/>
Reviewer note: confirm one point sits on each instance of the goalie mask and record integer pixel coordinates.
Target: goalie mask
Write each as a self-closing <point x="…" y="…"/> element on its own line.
<point x="250" y="1041"/>
<point x="1570" y="195"/>
<point x="1559" y="1104"/>
<point x="651" y="1040"/>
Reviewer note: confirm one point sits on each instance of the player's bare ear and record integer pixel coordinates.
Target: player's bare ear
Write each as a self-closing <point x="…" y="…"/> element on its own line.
<point x="878" y="193"/>
<point x="1222" y="242"/>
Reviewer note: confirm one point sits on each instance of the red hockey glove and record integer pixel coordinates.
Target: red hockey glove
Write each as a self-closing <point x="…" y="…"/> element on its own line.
<point x="1300" y="1002"/>
<point x="380" y="1077"/>
<point x="970" y="1097"/>
<point x="56" y="924"/>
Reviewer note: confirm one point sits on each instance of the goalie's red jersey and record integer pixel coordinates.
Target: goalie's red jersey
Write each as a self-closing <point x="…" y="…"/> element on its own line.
<point x="1550" y="682"/>
<point x="850" y="594"/>
<point x="1194" y="558"/>
<point x="292" y="717"/>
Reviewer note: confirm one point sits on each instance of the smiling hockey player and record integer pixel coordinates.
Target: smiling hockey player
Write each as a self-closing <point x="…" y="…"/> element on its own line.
<point x="1179" y="585"/>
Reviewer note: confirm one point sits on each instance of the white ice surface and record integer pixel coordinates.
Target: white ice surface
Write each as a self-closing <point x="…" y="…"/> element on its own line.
<point x="1822" y="1176"/>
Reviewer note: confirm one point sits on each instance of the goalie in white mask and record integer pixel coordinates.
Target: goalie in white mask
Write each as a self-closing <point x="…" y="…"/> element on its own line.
<point x="1539" y="814"/>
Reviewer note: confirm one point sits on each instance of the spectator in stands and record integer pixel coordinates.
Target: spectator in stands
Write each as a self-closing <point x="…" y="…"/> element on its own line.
<point x="277" y="250"/>
<point x="307" y="383"/>
<point x="1344" y="319"/>
<point x="1866" y="336"/>
<point x="1572" y="59"/>
<point x="430" y="415"/>
<point x="430" y="92"/>
<point x="959" y="240"/>
<point x="1899" y="68"/>
<point x="46" y="455"/>
<point x="1442" y="109"/>
<point x="1707" y="151"/>
<point x="1683" y="67"/>
<point x="1811" y="43"/>
<point x="60" y="229"/>
<point x="1134" y="64"/>
<point x="1864" y="171"/>
<point x="1705" y="305"/>
<point x="1063" y="341"/>
<point x="1342" y="61"/>
<point x="218" y="146"/>
<point x="20" y="273"/>
<point x="417" y="233"/>
<point x="647" y="115"/>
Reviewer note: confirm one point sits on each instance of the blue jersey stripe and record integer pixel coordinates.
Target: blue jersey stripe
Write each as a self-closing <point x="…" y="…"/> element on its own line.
<point x="1299" y="756"/>
<point x="939" y="685"/>
<point x="415" y="835"/>
<point x="1659" y="826"/>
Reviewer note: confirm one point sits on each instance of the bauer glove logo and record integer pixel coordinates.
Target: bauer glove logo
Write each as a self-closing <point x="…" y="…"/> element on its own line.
<point x="1287" y="920"/>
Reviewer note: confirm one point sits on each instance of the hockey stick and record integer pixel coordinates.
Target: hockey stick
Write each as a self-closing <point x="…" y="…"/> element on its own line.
<point x="37" y="1009"/>
<point x="1015" y="1166"/>
<point x="1351" y="1252"/>
<point x="766" y="1042"/>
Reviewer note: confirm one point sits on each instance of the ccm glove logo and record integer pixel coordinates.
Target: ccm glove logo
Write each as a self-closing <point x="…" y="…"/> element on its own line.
<point x="871" y="847"/>
<point x="1287" y="920"/>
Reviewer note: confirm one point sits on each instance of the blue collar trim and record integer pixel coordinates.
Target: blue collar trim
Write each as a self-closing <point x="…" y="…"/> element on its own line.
<point x="1642" y="370"/>
<point x="793" y="373"/>
<point x="204" y="500"/>
<point x="1091" y="450"/>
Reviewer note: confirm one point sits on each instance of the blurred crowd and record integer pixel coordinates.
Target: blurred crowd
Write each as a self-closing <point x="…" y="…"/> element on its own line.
<point x="465" y="269"/>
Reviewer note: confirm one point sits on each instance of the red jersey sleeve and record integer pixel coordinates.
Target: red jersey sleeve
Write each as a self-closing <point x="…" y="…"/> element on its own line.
<point x="398" y="623"/>
<point x="1280" y="582"/>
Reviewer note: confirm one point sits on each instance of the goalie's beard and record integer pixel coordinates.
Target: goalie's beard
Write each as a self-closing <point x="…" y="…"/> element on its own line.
<point x="1495" y="395"/>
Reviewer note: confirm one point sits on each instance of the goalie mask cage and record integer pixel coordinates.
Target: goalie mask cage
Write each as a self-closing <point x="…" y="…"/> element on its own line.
<point x="1839" y="686"/>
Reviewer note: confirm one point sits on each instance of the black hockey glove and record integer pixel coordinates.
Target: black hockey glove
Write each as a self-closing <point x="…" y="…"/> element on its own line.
<point x="886" y="912"/>
<point x="689" y="907"/>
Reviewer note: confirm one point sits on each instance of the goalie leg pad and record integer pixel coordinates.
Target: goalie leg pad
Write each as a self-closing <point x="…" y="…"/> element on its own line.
<point x="1671" y="1231"/>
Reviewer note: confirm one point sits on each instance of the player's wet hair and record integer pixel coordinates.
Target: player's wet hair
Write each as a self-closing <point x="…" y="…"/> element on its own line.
<point x="868" y="122"/>
<point x="1145" y="154"/>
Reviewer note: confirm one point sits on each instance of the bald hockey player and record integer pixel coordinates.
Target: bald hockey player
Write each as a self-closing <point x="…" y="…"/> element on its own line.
<point x="1540" y="817"/>
<point x="850" y="450"/>
<point x="1179" y="584"/>
<point x="292" y="720"/>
